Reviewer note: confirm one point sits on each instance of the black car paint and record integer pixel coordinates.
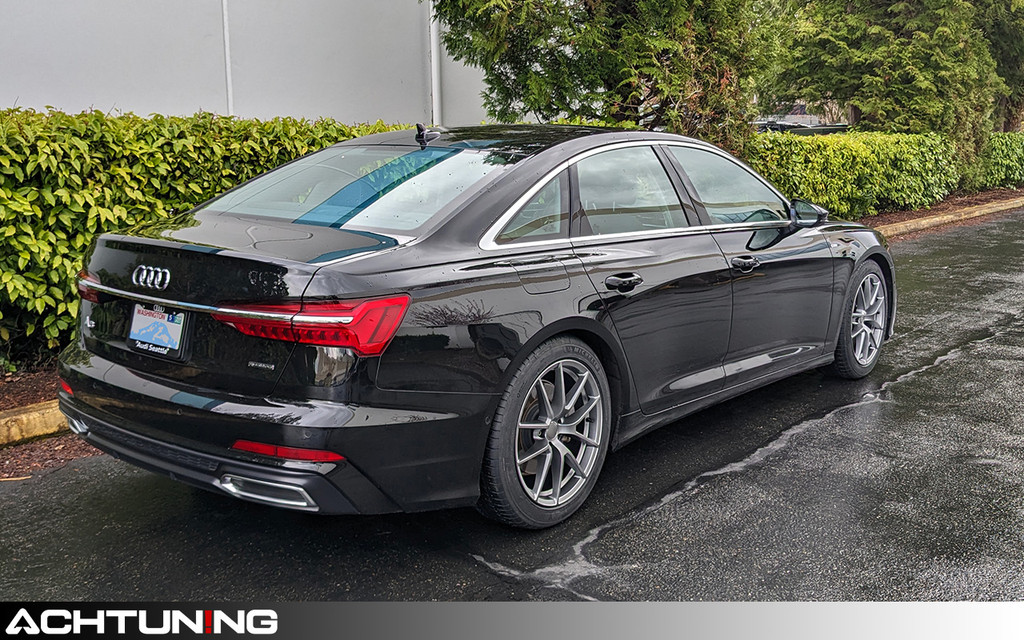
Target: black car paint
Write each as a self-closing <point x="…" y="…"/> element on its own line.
<point x="413" y="422"/>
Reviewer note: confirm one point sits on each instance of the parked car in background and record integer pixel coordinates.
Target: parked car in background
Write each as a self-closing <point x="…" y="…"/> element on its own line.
<point x="472" y="316"/>
<point x="798" y="128"/>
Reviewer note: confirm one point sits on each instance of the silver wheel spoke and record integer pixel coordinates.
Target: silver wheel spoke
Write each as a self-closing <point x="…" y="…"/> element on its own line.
<point x="876" y="338"/>
<point x="558" y="402"/>
<point x="545" y="403"/>
<point x="569" y="458"/>
<point x="532" y="426"/>
<point x="538" y="483"/>
<point x="572" y="433"/>
<point x="859" y="346"/>
<point x="577" y="390"/>
<point x="556" y="475"/>
<point x="577" y="416"/>
<point x="537" y="450"/>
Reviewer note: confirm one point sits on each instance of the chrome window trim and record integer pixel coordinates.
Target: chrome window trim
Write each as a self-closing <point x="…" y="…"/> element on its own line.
<point x="675" y="232"/>
<point x="748" y="226"/>
<point x="203" y="308"/>
<point x="488" y="243"/>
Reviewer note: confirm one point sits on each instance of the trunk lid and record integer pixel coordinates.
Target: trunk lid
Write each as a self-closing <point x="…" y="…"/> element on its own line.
<point x="158" y="282"/>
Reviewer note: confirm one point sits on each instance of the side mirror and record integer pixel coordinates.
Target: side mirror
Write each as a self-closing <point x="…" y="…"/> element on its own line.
<point x="807" y="214"/>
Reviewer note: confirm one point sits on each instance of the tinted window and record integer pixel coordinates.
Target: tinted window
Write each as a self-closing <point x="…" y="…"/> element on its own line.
<point x="627" y="190"/>
<point x="728" y="191"/>
<point x="373" y="188"/>
<point x="544" y="217"/>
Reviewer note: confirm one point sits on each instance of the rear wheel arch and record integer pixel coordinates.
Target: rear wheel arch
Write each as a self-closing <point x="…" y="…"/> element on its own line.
<point x="608" y="350"/>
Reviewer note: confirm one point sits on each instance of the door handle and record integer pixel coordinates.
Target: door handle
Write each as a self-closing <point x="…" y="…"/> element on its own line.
<point x="745" y="264"/>
<point x="623" y="282"/>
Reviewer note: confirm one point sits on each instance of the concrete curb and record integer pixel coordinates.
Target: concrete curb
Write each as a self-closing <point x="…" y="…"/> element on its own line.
<point x="899" y="228"/>
<point x="44" y="418"/>
<point x="29" y="422"/>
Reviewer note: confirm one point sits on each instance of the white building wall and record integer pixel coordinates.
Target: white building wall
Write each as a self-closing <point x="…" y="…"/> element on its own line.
<point x="352" y="60"/>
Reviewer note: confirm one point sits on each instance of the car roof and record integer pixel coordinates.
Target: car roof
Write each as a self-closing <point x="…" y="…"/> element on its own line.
<point x="521" y="140"/>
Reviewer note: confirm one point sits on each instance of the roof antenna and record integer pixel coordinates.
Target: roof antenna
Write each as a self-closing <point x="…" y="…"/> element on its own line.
<point x="425" y="135"/>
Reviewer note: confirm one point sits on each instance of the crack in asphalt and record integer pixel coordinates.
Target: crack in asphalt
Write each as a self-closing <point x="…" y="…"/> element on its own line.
<point x="563" y="574"/>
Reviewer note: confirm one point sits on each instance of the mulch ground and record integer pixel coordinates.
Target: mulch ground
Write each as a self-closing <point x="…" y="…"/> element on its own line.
<point x="28" y="387"/>
<point x="21" y="462"/>
<point x="948" y="205"/>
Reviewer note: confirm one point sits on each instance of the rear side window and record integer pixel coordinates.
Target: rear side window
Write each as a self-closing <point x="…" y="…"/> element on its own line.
<point x="371" y="188"/>
<point x="729" y="193"/>
<point x="627" y="190"/>
<point x="544" y="217"/>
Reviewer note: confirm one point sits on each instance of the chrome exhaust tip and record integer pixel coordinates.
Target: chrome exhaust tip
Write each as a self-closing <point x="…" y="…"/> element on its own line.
<point x="273" y="493"/>
<point x="77" y="426"/>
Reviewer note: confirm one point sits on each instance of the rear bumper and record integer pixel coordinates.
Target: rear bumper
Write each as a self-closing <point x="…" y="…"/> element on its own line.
<point x="322" y="490"/>
<point x="406" y="456"/>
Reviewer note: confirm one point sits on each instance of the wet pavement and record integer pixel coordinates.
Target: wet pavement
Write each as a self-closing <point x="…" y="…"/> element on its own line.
<point x="906" y="485"/>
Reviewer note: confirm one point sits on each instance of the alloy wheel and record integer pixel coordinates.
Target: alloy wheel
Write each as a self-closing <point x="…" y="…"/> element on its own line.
<point x="868" y="319"/>
<point x="559" y="433"/>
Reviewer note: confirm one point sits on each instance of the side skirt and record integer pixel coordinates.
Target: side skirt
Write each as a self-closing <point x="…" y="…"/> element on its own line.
<point x="636" y="424"/>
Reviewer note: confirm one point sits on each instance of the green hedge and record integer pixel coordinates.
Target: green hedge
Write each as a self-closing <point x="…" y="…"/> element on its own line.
<point x="858" y="174"/>
<point x="65" y="178"/>
<point x="1003" y="161"/>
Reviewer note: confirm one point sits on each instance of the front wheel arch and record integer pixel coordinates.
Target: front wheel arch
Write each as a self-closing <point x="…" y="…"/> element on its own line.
<point x="889" y="273"/>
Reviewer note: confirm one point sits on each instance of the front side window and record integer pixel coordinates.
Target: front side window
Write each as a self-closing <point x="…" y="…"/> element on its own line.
<point x="374" y="188"/>
<point x="544" y="217"/>
<point x="627" y="190"/>
<point x="729" y="193"/>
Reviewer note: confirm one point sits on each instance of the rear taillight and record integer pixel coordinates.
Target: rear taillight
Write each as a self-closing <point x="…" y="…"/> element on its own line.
<point x="84" y="290"/>
<point x="289" y="453"/>
<point x="365" y="326"/>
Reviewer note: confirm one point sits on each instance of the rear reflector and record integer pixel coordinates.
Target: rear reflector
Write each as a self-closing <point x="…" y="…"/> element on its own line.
<point x="365" y="326"/>
<point x="84" y="290"/>
<point x="289" y="453"/>
<point x="66" y="387"/>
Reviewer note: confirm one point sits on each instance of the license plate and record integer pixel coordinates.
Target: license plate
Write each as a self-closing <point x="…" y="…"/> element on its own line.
<point x="157" y="330"/>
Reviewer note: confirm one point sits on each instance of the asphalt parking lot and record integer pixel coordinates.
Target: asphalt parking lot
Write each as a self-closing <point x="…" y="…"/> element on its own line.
<point x="906" y="485"/>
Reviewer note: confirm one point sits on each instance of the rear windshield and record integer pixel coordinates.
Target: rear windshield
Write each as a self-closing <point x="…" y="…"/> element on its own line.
<point x="371" y="188"/>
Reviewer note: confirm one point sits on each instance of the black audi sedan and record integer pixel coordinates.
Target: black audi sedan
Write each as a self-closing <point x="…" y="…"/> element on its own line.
<point x="471" y="316"/>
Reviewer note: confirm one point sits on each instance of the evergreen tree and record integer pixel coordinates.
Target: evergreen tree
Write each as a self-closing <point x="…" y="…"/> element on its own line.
<point x="913" y="66"/>
<point x="672" y="64"/>
<point x="1003" y="24"/>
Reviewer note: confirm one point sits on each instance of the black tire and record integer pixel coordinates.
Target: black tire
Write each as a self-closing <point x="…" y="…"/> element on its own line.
<point x="850" y="361"/>
<point x="514" y="493"/>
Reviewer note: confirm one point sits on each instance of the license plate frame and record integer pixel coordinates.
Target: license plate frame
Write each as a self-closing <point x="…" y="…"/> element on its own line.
<point x="158" y="331"/>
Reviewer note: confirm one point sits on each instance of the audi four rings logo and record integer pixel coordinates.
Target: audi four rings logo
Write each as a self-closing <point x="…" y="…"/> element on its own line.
<point x="151" y="277"/>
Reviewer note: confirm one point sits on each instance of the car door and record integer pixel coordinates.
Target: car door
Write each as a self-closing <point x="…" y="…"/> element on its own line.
<point x="663" y="282"/>
<point x="782" y="276"/>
